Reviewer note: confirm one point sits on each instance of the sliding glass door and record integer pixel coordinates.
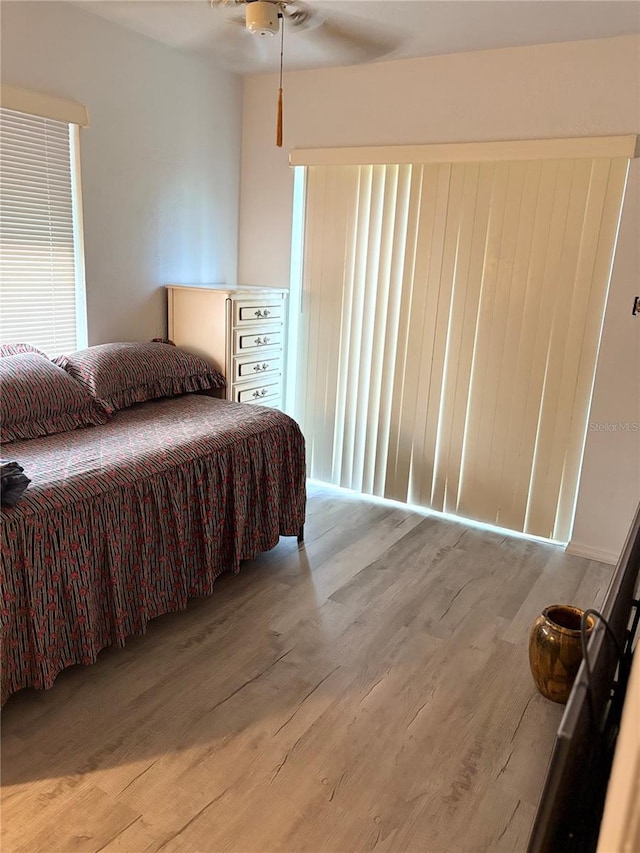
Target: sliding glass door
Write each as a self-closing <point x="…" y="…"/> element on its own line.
<point x="450" y="321"/>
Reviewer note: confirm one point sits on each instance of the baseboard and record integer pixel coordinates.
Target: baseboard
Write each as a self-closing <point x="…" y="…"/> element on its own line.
<point x="602" y="556"/>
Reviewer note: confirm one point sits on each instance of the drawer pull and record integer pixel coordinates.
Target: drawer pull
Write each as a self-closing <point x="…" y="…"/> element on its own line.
<point x="262" y="393"/>
<point x="260" y="342"/>
<point x="264" y="313"/>
<point x="260" y="367"/>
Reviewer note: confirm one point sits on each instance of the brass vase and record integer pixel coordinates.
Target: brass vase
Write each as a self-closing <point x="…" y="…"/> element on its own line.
<point x="555" y="650"/>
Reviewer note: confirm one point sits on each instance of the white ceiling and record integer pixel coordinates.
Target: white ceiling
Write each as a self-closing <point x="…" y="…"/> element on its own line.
<point x="394" y="29"/>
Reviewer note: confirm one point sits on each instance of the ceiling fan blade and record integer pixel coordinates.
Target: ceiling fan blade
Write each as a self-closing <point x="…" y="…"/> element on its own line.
<point x="352" y="39"/>
<point x="231" y="3"/>
<point x="238" y="45"/>
<point x="298" y="15"/>
<point x="239" y="19"/>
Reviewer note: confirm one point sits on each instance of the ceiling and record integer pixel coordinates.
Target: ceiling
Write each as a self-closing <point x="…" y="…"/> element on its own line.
<point x="390" y="29"/>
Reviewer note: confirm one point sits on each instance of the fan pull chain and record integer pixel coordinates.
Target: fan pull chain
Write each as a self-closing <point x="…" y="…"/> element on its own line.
<point x="279" y="122"/>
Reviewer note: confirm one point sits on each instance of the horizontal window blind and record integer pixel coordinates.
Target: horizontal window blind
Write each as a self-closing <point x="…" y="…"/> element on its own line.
<point x="38" y="252"/>
<point x="451" y="319"/>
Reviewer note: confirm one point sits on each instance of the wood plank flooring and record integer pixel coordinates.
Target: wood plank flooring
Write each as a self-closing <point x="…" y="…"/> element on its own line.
<point x="369" y="690"/>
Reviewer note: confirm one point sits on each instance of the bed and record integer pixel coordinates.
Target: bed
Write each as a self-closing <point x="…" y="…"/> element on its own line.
<point x="129" y="519"/>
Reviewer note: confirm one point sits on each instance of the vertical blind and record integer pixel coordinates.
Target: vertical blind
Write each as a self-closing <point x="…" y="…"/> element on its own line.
<point x="39" y="258"/>
<point x="451" y="319"/>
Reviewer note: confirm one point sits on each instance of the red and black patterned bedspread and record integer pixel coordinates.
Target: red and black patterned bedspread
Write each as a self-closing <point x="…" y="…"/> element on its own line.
<point x="127" y="521"/>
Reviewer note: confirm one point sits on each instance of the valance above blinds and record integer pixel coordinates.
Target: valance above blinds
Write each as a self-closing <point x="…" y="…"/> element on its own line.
<point x="40" y="104"/>
<point x="469" y="152"/>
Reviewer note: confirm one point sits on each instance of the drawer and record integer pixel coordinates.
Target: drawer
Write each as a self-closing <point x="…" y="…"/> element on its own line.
<point x="265" y="393"/>
<point x="259" y="310"/>
<point x="257" y="339"/>
<point x="248" y="366"/>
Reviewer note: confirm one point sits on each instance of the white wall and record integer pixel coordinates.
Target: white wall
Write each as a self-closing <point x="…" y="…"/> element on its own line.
<point x="577" y="89"/>
<point x="160" y="161"/>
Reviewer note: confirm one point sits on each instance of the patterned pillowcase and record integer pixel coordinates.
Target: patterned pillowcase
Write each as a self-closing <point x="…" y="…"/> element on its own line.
<point x="18" y="349"/>
<point x="121" y="374"/>
<point x="38" y="398"/>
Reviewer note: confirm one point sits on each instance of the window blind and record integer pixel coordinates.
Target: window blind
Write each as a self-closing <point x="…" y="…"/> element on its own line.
<point x="451" y="319"/>
<point x="41" y="287"/>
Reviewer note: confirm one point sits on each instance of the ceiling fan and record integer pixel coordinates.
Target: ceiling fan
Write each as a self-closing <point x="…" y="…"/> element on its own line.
<point x="267" y="18"/>
<point x="262" y="17"/>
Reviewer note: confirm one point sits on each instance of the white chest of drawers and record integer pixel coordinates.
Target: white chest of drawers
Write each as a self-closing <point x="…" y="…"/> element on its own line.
<point x="241" y="331"/>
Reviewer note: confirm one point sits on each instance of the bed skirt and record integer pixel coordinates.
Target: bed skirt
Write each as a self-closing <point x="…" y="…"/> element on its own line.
<point x="87" y="569"/>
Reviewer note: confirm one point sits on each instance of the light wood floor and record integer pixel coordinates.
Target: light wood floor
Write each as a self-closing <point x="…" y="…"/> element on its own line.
<point x="370" y="690"/>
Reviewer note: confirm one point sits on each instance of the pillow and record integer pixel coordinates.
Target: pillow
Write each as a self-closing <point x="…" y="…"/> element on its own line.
<point x="38" y="398"/>
<point x="121" y="374"/>
<point x="17" y="349"/>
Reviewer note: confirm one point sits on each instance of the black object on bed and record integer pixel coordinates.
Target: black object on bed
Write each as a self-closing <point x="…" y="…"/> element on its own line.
<point x="13" y="482"/>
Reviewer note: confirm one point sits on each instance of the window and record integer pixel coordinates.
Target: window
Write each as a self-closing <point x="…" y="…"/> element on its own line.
<point x="42" y="297"/>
